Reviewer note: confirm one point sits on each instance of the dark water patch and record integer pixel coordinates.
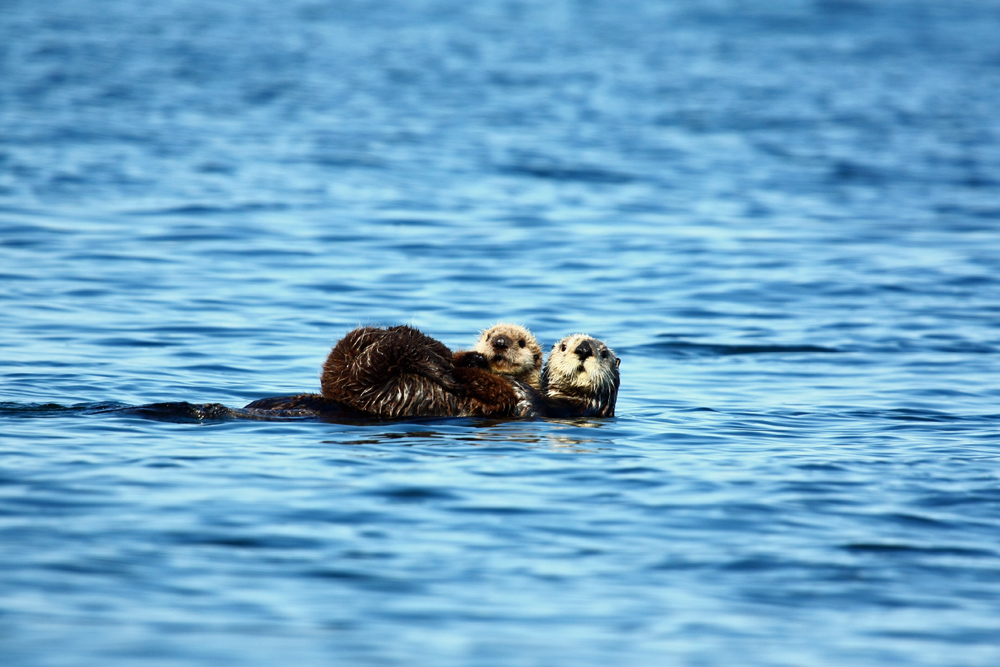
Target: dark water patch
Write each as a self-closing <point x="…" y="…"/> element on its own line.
<point x="133" y="342"/>
<point x="366" y="580"/>
<point x="966" y="347"/>
<point x="282" y="254"/>
<point x="958" y="213"/>
<point x="205" y="330"/>
<point x="569" y="174"/>
<point x="902" y="549"/>
<point x="698" y="313"/>
<point x="983" y="498"/>
<point x="217" y="368"/>
<point x="823" y="467"/>
<point x="680" y="348"/>
<point x="45" y="501"/>
<point x="855" y="173"/>
<point x="205" y="210"/>
<point x="33" y="410"/>
<point x="757" y="564"/>
<point x="163" y="464"/>
<point x="334" y="288"/>
<point x="494" y="510"/>
<point x="349" y="161"/>
<point x="111" y="258"/>
<point x="415" y="223"/>
<point x="845" y="7"/>
<point x="974" y="280"/>
<point x="908" y="415"/>
<point x="216" y="168"/>
<point x="414" y="494"/>
<point x="87" y="292"/>
<point x="917" y="520"/>
<point x="248" y="541"/>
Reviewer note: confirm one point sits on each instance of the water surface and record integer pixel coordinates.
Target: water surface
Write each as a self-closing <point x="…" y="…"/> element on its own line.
<point x="783" y="218"/>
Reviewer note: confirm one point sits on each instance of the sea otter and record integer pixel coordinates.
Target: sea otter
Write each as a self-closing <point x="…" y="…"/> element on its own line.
<point x="580" y="378"/>
<point x="512" y="352"/>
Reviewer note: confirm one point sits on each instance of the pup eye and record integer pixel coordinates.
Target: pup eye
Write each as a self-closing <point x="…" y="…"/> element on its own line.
<point x="604" y="355"/>
<point x="563" y="347"/>
<point x="521" y="342"/>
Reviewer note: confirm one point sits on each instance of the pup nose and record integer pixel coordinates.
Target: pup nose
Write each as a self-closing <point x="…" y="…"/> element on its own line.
<point x="584" y="350"/>
<point x="501" y="343"/>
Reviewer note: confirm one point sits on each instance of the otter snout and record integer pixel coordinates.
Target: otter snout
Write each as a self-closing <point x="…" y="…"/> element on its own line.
<point x="501" y="343"/>
<point x="584" y="350"/>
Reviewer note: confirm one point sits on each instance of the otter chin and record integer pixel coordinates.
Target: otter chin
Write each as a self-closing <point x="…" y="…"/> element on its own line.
<point x="581" y="378"/>
<point x="512" y="352"/>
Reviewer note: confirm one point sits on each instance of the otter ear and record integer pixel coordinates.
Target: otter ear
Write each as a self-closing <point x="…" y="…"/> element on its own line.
<point x="618" y="363"/>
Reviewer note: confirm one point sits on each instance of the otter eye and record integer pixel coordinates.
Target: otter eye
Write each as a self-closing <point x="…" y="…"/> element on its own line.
<point x="604" y="355"/>
<point x="563" y="347"/>
<point x="521" y="342"/>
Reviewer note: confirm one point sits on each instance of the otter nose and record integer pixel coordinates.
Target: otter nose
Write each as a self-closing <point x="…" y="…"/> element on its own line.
<point x="501" y="343"/>
<point x="584" y="350"/>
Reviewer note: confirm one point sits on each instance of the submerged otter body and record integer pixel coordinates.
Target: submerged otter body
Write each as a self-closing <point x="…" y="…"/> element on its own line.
<point x="581" y="378"/>
<point x="301" y="405"/>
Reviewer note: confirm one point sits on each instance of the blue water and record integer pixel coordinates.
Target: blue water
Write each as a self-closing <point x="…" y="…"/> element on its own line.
<point x="784" y="217"/>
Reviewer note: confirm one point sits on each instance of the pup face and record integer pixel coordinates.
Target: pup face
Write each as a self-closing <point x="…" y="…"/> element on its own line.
<point x="512" y="351"/>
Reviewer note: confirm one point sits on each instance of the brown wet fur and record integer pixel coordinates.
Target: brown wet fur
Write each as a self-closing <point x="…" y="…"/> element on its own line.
<point x="401" y="372"/>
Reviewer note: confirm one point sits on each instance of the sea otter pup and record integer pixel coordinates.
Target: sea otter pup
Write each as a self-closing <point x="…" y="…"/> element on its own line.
<point x="512" y="352"/>
<point x="580" y="378"/>
<point x="400" y="372"/>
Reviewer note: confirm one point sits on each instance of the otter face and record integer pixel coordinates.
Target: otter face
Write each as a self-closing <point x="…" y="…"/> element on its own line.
<point x="583" y="371"/>
<point x="511" y="351"/>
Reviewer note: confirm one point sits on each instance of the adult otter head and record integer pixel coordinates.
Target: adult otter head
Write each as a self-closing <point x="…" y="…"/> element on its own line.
<point x="512" y="352"/>
<point x="581" y="377"/>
